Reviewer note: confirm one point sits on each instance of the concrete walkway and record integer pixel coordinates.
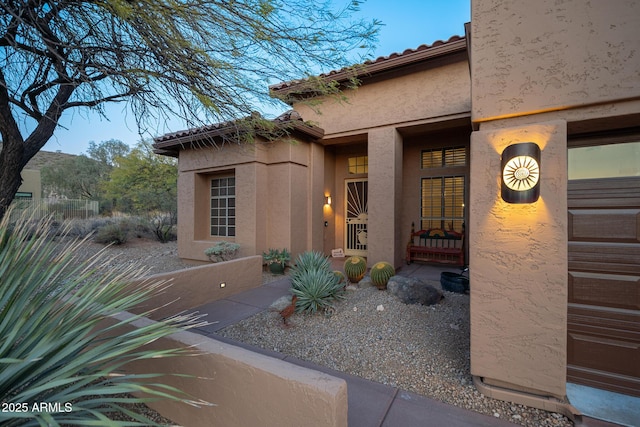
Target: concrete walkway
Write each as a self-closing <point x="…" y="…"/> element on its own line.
<point x="371" y="404"/>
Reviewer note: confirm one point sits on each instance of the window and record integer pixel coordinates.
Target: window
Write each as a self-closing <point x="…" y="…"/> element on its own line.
<point x="443" y="157"/>
<point x="442" y="203"/>
<point x="605" y="161"/>
<point x="223" y="206"/>
<point x="443" y="188"/>
<point x="358" y="165"/>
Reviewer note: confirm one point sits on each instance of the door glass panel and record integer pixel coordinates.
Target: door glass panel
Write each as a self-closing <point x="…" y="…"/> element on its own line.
<point x="605" y="161"/>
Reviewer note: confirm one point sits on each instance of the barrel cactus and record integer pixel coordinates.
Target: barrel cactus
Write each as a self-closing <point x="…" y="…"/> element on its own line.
<point x="380" y="274"/>
<point x="354" y="268"/>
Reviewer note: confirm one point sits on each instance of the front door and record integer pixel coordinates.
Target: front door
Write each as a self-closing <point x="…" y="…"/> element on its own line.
<point x="356" y="208"/>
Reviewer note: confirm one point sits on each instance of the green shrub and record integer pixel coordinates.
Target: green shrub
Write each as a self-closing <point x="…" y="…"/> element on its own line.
<point x="222" y="251"/>
<point x="115" y="233"/>
<point x="50" y="348"/>
<point x="82" y="228"/>
<point x="380" y="274"/>
<point x="276" y="256"/>
<point x="313" y="282"/>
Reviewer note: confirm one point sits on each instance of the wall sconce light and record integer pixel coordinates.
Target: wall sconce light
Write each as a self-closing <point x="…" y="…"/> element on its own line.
<point x="327" y="200"/>
<point x="521" y="173"/>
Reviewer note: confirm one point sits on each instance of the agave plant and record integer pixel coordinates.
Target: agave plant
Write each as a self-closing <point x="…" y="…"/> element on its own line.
<point x="309" y="261"/>
<point x="51" y="349"/>
<point x="314" y="283"/>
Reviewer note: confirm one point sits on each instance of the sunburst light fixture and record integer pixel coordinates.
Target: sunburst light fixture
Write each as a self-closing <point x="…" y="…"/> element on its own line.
<point x="521" y="173"/>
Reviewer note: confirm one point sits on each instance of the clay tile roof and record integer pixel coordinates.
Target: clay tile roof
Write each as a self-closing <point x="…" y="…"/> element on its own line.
<point x="423" y="52"/>
<point x="217" y="134"/>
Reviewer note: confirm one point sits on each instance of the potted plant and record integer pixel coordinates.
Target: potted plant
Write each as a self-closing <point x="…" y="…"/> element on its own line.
<point x="276" y="260"/>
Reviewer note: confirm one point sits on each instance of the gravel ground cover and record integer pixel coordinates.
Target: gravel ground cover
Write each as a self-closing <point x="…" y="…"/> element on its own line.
<point x="371" y="334"/>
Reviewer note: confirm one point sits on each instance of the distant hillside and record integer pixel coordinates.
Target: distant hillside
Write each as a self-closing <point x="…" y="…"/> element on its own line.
<point x="47" y="158"/>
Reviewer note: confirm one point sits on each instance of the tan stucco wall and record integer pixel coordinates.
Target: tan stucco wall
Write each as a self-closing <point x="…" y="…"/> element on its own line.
<point x="549" y="55"/>
<point x="247" y="388"/>
<point x="436" y="92"/>
<point x="277" y="195"/>
<point x="370" y="122"/>
<point x="518" y="266"/>
<point x="31" y="183"/>
<point x="385" y="198"/>
<point x="196" y="286"/>
<point x="539" y="71"/>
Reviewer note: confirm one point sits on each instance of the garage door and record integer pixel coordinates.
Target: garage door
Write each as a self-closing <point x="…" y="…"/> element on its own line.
<point x="604" y="283"/>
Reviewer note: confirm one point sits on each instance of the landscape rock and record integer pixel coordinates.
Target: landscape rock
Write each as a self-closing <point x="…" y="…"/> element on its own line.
<point x="281" y="303"/>
<point x="411" y="290"/>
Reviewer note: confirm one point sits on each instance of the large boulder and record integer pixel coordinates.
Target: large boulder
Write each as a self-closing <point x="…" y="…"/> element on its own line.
<point x="410" y="290"/>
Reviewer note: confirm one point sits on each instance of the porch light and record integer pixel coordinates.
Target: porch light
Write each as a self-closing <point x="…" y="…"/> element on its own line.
<point x="521" y="173"/>
<point x="327" y="200"/>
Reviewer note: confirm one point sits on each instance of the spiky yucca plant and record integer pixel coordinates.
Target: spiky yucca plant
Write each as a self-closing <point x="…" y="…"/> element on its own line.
<point x="51" y="350"/>
<point x="314" y="283"/>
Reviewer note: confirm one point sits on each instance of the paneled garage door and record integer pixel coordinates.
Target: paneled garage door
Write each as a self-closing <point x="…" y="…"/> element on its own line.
<point x="604" y="283"/>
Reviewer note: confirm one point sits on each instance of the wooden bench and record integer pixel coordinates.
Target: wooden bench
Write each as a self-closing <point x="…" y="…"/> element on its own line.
<point x="436" y="245"/>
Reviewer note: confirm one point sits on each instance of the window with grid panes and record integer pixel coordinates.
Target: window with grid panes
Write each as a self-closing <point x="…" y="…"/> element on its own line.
<point x="443" y="157"/>
<point x="223" y="206"/>
<point x="442" y="198"/>
<point x="358" y="165"/>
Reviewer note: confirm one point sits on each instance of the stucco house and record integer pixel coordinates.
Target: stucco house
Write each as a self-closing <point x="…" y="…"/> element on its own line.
<point x="555" y="282"/>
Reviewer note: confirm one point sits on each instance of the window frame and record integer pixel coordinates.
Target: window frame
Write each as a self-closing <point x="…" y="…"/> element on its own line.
<point x="224" y="217"/>
<point x="451" y="163"/>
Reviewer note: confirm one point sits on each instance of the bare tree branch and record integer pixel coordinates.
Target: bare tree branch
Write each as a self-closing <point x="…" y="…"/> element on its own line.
<point x="196" y="60"/>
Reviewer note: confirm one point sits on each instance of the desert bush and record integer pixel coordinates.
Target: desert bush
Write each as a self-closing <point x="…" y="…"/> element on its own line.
<point x="50" y="348"/>
<point x="115" y="233"/>
<point x="314" y="283"/>
<point x="82" y="228"/>
<point x="162" y="226"/>
<point x="222" y="251"/>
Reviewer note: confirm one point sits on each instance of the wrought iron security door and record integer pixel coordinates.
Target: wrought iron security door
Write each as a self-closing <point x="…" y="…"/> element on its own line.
<point x="356" y="217"/>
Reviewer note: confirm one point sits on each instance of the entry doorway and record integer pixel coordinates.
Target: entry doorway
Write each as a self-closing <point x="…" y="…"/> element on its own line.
<point x="356" y="217"/>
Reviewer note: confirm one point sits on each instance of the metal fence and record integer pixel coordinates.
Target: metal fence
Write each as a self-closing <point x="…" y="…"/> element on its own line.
<point x="59" y="209"/>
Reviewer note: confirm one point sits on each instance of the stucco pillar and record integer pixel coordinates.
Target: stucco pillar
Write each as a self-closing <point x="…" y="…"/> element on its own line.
<point x="385" y="192"/>
<point x="518" y="265"/>
<point x="315" y="198"/>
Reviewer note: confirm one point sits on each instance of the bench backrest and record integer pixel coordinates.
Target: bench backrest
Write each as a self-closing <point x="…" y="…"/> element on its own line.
<point x="437" y="237"/>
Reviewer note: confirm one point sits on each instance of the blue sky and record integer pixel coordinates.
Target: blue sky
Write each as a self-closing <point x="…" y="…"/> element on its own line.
<point x="407" y="25"/>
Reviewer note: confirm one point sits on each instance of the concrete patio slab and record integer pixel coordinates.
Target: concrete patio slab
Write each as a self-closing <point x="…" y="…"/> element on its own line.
<point x="410" y="409"/>
<point x="223" y="313"/>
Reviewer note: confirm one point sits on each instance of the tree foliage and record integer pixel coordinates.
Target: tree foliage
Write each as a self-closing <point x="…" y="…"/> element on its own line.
<point x="198" y="60"/>
<point x="82" y="177"/>
<point x="143" y="182"/>
<point x="107" y="151"/>
<point x="74" y="177"/>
